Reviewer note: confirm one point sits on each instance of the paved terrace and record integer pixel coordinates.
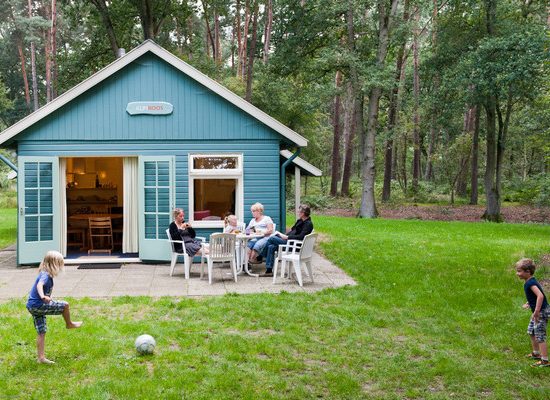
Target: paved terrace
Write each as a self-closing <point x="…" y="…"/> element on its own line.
<point x="155" y="280"/>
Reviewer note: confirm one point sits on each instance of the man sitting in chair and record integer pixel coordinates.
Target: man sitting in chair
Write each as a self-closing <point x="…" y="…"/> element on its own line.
<point x="299" y="230"/>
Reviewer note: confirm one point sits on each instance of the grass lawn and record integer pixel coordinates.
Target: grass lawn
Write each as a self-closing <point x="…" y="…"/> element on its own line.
<point x="8" y="226"/>
<point x="436" y="314"/>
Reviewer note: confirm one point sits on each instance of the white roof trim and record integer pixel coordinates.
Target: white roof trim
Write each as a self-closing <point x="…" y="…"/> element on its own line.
<point x="171" y="59"/>
<point x="300" y="162"/>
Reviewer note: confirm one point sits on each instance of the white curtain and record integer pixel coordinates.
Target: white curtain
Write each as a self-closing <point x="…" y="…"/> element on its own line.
<point x="63" y="205"/>
<point x="130" y="227"/>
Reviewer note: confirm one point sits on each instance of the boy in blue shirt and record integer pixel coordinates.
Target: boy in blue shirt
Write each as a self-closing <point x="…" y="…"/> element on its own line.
<point x="536" y="300"/>
<point x="41" y="304"/>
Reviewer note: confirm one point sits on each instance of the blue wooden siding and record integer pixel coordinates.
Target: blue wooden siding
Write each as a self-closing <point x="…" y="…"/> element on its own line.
<point x="260" y="159"/>
<point x="100" y="113"/>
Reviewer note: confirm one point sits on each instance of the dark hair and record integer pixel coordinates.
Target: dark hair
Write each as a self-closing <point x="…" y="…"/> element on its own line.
<point x="305" y="209"/>
<point x="526" y="264"/>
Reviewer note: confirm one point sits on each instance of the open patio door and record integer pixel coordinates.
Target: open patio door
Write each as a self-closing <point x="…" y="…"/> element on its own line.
<point x="156" y="177"/>
<point x="38" y="201"/>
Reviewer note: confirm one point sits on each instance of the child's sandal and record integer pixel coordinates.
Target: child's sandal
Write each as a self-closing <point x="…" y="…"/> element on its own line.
<point x="541" y="364"/>
<point x="533" y="356"/>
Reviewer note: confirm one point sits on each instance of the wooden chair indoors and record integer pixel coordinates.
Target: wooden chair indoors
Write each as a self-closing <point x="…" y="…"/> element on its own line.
<point x="101" y="235"/>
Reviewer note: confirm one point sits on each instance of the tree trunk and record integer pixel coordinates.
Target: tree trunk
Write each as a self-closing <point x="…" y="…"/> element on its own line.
<point x="428" y="174"/>
<point x="239" y="38"/>
<point x="47" y="54"/>
<point x="53" y="50"/>
<point x="244" y="46"/>
<point x="218" y="53"/>
<point x="475" y="155"/>
<point x="389" y="159"/>
<point x="368" y="201"/>
<point x="492" y="191"/>
<point x="416" y="112"/>
<point x="107" y="23"/>
<point x="252" y="54"/>
<point x="350" y="115"/>
<point x="33" y="68"/>
<point x="24" y="71"/>
<point x="335" y="159"/>
<point x="267" y="31"/>
<point x="209" y="36"/>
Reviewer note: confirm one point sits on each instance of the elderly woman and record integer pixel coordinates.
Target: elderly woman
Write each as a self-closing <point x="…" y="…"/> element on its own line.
<point x="180" y="230"/>
<point x="260" y="223"/>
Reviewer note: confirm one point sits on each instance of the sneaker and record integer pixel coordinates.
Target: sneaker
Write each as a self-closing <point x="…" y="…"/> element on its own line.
<point x="533" y="356"/>
<point x="268" y="272"/>
<point x="541" y="364"/>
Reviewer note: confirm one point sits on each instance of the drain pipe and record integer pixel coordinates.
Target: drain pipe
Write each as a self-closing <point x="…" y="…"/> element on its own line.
<point x="8" y="162"/>
<point x="283" y="188"/>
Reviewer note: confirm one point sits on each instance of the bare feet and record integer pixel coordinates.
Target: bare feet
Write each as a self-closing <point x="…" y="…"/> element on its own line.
<point x="74" y="325"/>
<point x="45" y="361"/>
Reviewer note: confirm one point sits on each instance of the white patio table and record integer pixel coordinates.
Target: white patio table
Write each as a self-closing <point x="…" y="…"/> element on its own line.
<point x="242" y="259"/>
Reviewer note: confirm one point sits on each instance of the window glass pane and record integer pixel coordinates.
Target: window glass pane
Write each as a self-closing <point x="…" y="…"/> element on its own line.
<point x="150" y="200"/>
<point x="219" y="162"/>
<point x="46" y="201"/>
<point x="45" y="174"/>
<point x="213" y="198"/>
<point x="163" y="200"/>
<point x="31" y="201"/>
<point x="46" y="228"/>
<point x="31" y="229"/>
<point x="31" y="175"/>
<point x="163" y="173"/>
<point x="150" y="226"/>
<point x="163" y="224"/>
<point x="150" y="168"/>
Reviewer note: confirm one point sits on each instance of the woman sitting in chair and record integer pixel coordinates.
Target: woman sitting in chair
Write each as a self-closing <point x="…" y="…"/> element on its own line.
<point x="299" y="230"/>
<point x="180" y="230"/>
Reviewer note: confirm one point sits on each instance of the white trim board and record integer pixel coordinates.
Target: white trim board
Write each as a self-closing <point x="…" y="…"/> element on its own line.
<point x="303" y="164"/>
<point x="118" y="64"/>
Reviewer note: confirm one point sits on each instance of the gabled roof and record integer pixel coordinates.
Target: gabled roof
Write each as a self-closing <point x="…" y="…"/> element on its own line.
<point x="150" y="46"/>
<point x="303" y="164"/>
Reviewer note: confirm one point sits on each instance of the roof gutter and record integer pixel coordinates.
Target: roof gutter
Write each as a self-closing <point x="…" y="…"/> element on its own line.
<point x="283" y="188"/>
<point x="8" y="162"/>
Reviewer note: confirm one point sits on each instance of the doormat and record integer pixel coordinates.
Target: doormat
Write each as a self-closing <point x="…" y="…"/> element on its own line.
<point x="100" y="266"/>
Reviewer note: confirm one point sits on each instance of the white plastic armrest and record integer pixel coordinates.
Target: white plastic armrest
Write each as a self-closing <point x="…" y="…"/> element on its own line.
<point x="201" y="238"/>
<point x="176" y="241"/>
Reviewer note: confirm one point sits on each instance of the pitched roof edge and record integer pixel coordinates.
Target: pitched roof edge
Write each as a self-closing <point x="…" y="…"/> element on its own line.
<point x="177" y="63"/>
<point x="300" y="162"/>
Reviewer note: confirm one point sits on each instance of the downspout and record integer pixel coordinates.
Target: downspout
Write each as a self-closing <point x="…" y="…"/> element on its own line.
<point x="8" y="162"/>
<point x="283" y="188"/>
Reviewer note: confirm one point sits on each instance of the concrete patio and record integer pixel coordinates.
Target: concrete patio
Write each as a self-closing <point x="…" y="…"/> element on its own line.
<point x="154" y="280"/>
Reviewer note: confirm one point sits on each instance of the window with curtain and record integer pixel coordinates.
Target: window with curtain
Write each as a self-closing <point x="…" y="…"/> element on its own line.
<point x="215" y="184"/>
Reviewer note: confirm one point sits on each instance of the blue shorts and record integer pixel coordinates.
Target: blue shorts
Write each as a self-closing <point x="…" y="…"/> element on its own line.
<point x="538" y="330"/>
<point x="258" y="244"/>
<point x="54" y="307"/>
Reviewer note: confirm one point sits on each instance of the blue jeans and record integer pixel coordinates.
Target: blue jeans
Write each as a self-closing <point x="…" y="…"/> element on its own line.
<point x="272" y="245"/>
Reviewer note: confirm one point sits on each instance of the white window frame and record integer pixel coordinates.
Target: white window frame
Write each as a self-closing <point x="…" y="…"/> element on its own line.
<point x="215" y="174"/>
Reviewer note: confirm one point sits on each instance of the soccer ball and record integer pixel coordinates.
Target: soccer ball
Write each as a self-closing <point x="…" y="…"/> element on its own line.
<point x="145" y="344"/>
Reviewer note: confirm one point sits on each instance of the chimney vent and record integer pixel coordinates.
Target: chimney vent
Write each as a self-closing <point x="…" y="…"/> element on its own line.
<point x="121" y="52"/>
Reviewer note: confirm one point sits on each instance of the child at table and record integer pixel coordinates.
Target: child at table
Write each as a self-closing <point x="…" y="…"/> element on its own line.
<point x="231" y="224"/>
<point x="41" y="304"/>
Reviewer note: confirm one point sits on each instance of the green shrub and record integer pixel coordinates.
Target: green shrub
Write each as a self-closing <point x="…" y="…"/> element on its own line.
<point x="8" y="198"/>
<point x="533" y="190"/>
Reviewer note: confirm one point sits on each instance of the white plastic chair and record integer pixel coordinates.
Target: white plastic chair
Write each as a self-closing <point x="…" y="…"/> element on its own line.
<point x="186" y="259"/>
<point x="240" y="250"/>
<point x="297" y="252"/>
<point x="221" y="249"/>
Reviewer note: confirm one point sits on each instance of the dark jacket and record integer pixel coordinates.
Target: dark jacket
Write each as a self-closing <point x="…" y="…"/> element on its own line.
<point x="300" y="229"/>
<point x="186" y="235"/>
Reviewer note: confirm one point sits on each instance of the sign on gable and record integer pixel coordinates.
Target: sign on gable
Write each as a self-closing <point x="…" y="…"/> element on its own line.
<point x="149" y="107"/>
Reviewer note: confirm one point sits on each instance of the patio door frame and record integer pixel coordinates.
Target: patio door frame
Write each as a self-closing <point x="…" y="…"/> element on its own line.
<point x="33" y="243"/>
<point x="155" y="248"/>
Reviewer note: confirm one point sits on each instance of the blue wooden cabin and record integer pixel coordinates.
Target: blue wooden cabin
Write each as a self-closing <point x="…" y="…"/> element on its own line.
<point x="144" y="135"/>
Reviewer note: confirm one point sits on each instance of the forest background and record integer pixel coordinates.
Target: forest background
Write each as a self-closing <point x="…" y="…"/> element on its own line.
<point x="401" y="100"/>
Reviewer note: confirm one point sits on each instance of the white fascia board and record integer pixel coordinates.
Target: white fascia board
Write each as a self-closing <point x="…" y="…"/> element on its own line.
<point x="300" y="162"/>
<point x="176" y="62"/>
